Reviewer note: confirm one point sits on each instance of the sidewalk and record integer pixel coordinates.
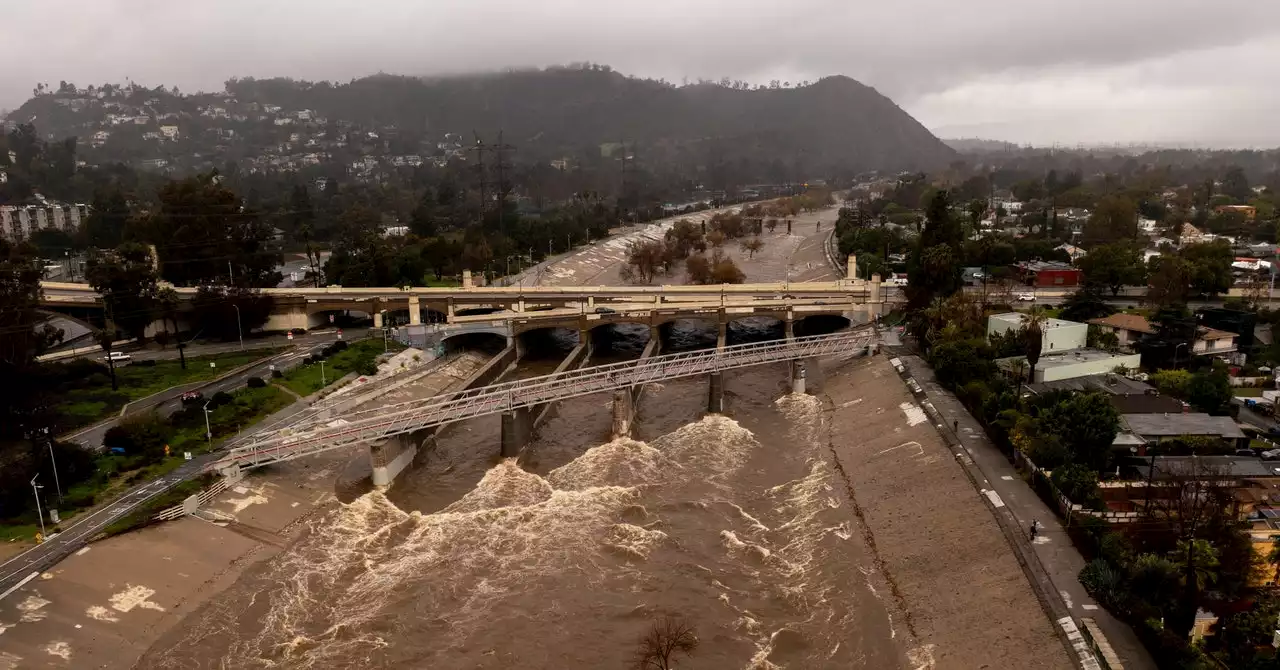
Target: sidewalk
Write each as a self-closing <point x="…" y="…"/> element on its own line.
<point x="1053" y="547"/>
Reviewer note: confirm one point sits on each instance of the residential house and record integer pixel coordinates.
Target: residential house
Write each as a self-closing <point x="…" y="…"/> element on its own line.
<point x="1128" y="396"/>
<point x="1249" y="211"/>
<point x="1143" y="430"/>
<point x="1131" y="328"/>
<point x="1048" y="274"/>
<point x="1072" y="251"/>
<point x="1070" y="364"/>
<point x="169" y="132"/>
<point x="1058" y="335"/>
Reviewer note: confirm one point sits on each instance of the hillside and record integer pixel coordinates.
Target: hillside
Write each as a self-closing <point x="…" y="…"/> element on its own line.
<point x="832" y="126"/>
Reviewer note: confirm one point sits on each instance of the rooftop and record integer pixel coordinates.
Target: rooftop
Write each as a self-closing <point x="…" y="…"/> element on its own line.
<point x="1209" y="467"/>
<point x="1174" y="425"/>
<point x="1041" y="266"/>
<point x="1133" y="322"/>
<point x="1074" y="356"/>
<point x="1109" y="383"/>
<point x="1016" y="319"/>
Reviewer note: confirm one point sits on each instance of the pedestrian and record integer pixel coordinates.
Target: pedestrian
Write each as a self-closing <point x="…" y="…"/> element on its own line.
<point x="1035" y="529"/>
<point x="955" y="426"/>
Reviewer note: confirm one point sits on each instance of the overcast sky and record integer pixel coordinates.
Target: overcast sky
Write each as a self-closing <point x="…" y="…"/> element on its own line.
<point x="1030" y="71"/>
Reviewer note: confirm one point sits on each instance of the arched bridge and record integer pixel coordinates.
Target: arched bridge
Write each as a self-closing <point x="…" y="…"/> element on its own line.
<point x="370" y="426"/>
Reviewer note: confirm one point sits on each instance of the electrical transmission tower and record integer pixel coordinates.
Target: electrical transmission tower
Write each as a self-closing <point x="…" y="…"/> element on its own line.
<point x="501" y="166"/>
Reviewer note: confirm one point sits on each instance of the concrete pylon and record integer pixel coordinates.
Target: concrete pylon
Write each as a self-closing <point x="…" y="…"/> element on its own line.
<point x="466" y="279"/>
<point x="517" y="432"/>
<point x="798" y="374"/>
<point x="715" y="394"/>
<point x="623" y="413"/>
<point x="415" y="311"/>
<point x="851" y="271"/>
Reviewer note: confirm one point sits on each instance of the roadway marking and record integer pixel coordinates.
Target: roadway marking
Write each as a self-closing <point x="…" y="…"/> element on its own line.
<point x="20" y="584"/>
<point x="994" y="498"/>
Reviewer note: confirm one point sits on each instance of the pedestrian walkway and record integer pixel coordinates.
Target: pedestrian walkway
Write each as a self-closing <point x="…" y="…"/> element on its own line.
<point x="1052" y="546"/>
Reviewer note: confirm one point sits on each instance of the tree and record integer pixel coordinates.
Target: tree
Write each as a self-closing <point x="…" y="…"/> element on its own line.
<point x="1085" y="304"/>
<point x="716" y="238"/>
<point x="1170" y="281"/>
<point x="1077" y="482"/>
<point x="645" y="259"/>
<point x="934" y="268"/>
<point x="667" y="638"/>
<point x="1033" y="341"/>
<point x="1172" y="382"/>
<point x="361" y="256"/>
<point x="1236" y="184"/>
<point x="1087" y="423"/>
<point x="227" y="313"/>
<point x="682" y="237"/>
<point x="725" y="271"/>
<point x="1113" y="266"/>
<point x="108" y="218"/>
<point x="1209" y="266"/>
<point x="698" y="269"/>
<point x="168" y="302"/>
<point x="204" y="234"/>
<point x="752" y="245"/>
<point x="1210" y="392"/>
<point x="126" y="279"/>
<point x="1115" y="218"/>
<point x="1197" y="563"/>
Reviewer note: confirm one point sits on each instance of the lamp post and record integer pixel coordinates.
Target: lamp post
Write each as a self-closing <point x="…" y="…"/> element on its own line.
<point x="322" y="379"/>
<point x="36" y="490"/>
<point x="1175" y="353"/>
<point x="208" y="431"/>
<point x="239" y="330"/>
<point x="57" y="481"/>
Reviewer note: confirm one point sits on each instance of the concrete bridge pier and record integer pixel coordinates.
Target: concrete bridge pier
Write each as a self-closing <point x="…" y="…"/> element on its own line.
<point x="415" y="311"/>
<point x="722" y="333"/>
<point x="624" y="413"/>
<point x="790" y="325"/>
<point x="517" y="431"/>
<point x="394" y="456"/>
<point x="798" y="374"/>
<point x="715" y="394"/>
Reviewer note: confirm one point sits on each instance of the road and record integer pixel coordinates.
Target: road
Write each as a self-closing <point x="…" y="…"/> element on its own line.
<point x="168" y="402"/>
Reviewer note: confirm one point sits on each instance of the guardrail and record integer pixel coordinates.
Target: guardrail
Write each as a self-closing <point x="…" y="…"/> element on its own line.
<point x="189" y="506"/>
<point x="382" y="423"/>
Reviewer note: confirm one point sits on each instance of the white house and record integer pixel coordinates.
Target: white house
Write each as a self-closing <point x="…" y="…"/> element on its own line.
<point x="169" y="132"/>
<point x="1073" y="252"/>
<point x="1058" y="335"/>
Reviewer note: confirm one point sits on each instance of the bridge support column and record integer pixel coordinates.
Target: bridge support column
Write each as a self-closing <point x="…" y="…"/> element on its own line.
<point x="466" y="279"/>
<point x="722" y="333"/>
<point x="377" y="319"/>
<point x="715" y="394"/>
<point x="790" y="325"/>
<point x="875" y="300"/>
<point x="415" y="311"/>
<point x="852" y="267"/>
<point x="394" y="456"/>
<point x="623" y="413"/>
<point x="798" y="373"/>
<point x="517" y="432"/>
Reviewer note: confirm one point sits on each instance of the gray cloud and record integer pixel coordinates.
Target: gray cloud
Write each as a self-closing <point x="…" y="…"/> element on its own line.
<point x="1031" y="70"/>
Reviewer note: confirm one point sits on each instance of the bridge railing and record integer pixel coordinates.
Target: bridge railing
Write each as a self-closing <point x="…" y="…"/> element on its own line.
<point x="378" y="424"/>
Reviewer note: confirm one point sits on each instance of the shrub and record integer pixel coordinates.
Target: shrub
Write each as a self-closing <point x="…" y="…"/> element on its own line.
<point x="219" y="399"/>
<point x="368" y="368"/>
<point x="1104" y="583"/>
<point x="340" y="345"/>
<point x="255" y="383"/>
<point x="308" y="360"/>
<point x="144" y="364"/>
<point x="276" y="374"/>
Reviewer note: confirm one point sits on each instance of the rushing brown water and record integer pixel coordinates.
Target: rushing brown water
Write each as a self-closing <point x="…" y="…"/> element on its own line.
<point x="562" y="561"/>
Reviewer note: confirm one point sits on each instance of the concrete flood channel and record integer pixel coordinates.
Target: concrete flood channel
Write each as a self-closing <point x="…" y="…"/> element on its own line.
<point x="826" y="529"/>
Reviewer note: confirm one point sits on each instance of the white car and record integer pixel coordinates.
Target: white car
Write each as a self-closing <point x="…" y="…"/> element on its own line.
<point x="117" y="358"/>
<point x="1026" y="297"/>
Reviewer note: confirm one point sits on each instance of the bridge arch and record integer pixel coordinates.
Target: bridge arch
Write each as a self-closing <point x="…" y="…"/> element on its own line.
<point x="488" y="342"/>
<point x="821" y="324"/>
<point x="625" y="339"/>
<point x="755" y="329"/>
<point x="342" y="318"/>
<point x="688" y="333"/>
<point x="546" y="343"/>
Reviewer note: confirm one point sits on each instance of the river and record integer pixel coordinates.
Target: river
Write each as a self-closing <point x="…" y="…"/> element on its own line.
<point x="564" y="560"/>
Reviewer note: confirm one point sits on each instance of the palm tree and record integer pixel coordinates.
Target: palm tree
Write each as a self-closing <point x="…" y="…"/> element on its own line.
<point x="1033" y="340"/>
<point x="1196" y="560"/>
<point x="169" y="301"/>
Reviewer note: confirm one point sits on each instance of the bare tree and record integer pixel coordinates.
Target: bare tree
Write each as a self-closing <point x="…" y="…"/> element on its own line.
<point x="668" y="637"/>
<point x="645" y="259"/>
<point x="751" y="246"/>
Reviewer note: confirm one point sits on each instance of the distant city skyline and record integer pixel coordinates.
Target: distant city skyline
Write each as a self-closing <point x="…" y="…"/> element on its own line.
<point x="1093" y="71"/>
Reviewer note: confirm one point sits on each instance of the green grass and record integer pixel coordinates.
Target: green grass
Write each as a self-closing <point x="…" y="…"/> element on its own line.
<point x="145" y="515"/>
<point x="96" y="401"/>
<point x="19" y="533"/>
<point x="1247" y="392"/>
<point x="307" y="379"/>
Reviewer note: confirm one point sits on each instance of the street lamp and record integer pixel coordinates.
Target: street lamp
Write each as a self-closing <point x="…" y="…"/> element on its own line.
<point x="57" y="481"/>
<point x="1175" y="353"/>
<point x="36" y="490"/>
<point x="322" y="379"/>
<point x="208" y="432"/>
<point x="239" y="330"/>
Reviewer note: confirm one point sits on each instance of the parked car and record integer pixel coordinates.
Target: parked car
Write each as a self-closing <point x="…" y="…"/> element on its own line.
<point x="1026" y="297"/>
<point x="605" y="310"/>
<point x="191" y="397"/>
<point x="117" y="358"/>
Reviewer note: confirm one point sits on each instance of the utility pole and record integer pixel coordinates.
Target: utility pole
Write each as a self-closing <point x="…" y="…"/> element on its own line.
<point x="480" y="148"/>
<point x="36" y="490"/>
<point x="57" y="481"/>
<point x="500" y="164"/>
<point x="624" y="198"/>
<point x="239" y="329"/>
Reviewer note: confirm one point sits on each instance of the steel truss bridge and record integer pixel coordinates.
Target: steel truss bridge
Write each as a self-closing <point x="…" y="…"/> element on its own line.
<point x="371" y="426"/>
